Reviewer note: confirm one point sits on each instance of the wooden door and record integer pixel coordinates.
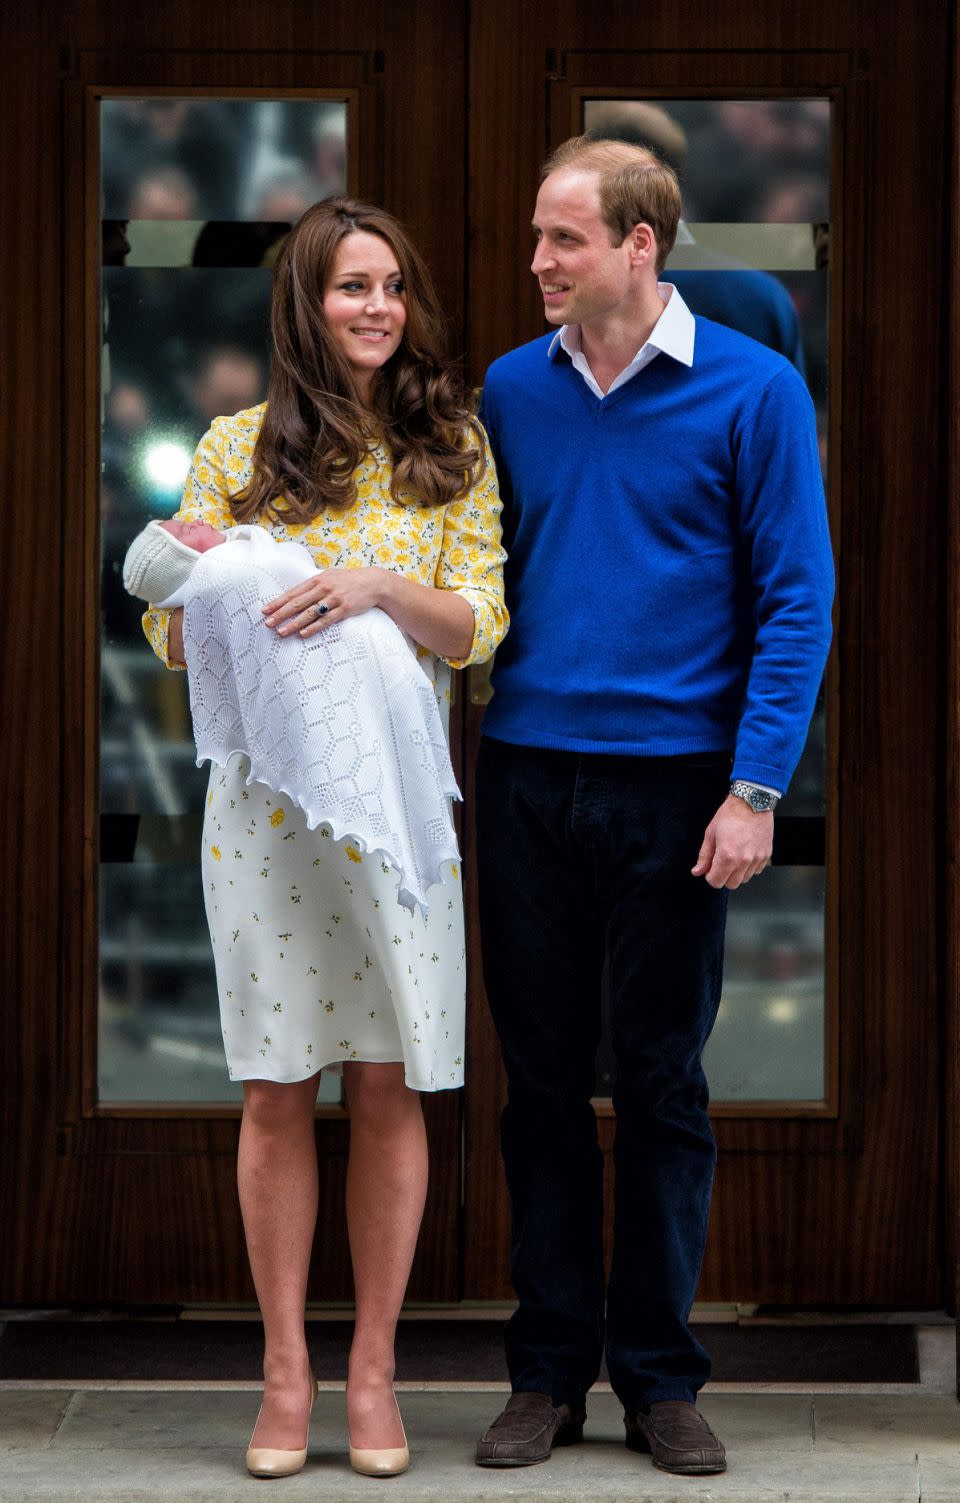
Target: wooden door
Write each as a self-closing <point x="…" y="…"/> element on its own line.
<point x="834" y="1198"/>
<point x="106" y="1198"/>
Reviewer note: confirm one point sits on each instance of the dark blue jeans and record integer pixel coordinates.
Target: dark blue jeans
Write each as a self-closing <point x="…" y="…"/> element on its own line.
<point x="585" y="861"/>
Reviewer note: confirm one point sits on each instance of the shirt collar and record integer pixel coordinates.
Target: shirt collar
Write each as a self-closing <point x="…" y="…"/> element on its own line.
<point x="672" y="334"/>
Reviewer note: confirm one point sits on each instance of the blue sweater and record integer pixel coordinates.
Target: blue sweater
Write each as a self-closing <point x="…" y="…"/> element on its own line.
<point x="669" y="576"/>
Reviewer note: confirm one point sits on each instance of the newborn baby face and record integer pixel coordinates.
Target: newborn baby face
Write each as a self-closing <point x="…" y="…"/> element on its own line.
<point x="197" y="535"/>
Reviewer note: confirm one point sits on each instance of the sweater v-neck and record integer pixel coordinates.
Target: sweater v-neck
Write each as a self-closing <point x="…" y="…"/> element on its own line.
<point x="599" y="406"/>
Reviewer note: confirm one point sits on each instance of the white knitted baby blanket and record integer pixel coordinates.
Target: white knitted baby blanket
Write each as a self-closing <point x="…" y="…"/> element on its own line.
<point x="345" y="723"/>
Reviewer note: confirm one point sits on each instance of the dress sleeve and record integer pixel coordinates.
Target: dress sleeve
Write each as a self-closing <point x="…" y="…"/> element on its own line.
<point x="205" y="499"/>
<point x="471" y="562"/>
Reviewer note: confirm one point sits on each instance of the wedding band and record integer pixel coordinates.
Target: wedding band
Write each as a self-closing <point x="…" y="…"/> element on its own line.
<point x="321" y="610"/>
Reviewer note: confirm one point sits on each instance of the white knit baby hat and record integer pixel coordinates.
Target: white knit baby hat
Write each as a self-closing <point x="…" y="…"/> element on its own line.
<point x="157" y="563"/>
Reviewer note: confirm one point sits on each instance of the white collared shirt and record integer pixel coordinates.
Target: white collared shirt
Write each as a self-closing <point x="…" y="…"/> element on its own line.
<point x="672" y="334"/>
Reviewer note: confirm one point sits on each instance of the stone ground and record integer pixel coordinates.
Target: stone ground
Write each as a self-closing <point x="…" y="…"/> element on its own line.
<point x="131" y="1443"/>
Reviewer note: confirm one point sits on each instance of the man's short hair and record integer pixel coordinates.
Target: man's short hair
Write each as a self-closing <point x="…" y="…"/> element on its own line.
<point x="635" y="187"/>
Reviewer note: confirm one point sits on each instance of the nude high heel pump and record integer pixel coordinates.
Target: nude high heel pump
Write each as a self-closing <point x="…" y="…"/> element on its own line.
<point x="264" y="1461"/>
<point x="382" y="1462"/>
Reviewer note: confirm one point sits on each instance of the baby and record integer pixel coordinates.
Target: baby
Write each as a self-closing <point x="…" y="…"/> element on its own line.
<point x="161" y="559"/>
<point x="345" y="723"/>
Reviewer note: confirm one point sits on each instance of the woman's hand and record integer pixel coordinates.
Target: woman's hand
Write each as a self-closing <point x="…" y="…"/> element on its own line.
<point x="332" y="595"/>
<point x="439" y="619"/>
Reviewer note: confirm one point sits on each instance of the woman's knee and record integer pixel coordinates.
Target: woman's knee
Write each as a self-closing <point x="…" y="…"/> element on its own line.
<point x="377" y="1093"/>
<point x="275" y="1106"/>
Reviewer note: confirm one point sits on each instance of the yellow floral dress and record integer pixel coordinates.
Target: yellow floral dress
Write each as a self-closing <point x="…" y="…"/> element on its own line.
<point x="316" y="961"/>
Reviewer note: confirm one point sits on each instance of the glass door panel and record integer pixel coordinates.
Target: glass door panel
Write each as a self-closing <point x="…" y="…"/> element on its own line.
<point x="197" y="194"/>
<point x="752" y="252"/>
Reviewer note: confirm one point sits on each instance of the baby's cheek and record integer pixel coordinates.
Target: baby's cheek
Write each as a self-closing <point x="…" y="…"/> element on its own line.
<point x="205" y="541"/>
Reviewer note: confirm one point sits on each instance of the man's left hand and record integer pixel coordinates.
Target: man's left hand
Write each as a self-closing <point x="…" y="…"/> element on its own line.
<point x="737" y="845"/>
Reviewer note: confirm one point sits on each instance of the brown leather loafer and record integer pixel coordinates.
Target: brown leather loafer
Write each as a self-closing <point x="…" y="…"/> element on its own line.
<point x="528" y="1429"/>
<point x="677" y="1437"/>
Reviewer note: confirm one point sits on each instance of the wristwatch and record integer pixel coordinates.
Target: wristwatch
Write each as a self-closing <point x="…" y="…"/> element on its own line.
<point x="760" y="799"/>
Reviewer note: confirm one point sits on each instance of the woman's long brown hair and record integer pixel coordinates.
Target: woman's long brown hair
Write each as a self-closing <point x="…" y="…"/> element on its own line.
<point x="315" y="430"/>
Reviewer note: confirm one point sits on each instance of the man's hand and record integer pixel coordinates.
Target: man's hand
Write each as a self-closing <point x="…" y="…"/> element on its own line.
<point x="737" y="845"/>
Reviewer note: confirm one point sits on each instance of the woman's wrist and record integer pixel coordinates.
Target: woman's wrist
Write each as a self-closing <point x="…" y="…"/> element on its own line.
<point x="175" y="652"/>
<point x="428" y="614"/>
<point x="387" y="591"/>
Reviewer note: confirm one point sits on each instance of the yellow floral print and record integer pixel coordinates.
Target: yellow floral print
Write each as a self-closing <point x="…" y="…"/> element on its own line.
<point x="277" y="817"/>
<point x="455" y="547"/>
<point x="216" y="853"/>
<point x="353" y="854"/>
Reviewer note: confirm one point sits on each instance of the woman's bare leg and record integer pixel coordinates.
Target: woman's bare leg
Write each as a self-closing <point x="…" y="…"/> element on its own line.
<point x="386" y="1190"/>
<point x="277" y="1179"/>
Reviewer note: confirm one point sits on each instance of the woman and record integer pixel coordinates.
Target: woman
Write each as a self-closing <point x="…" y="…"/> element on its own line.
<point x="366" y="452"/>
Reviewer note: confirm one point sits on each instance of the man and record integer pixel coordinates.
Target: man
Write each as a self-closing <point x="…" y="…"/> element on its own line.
<point x="669" y="582"/>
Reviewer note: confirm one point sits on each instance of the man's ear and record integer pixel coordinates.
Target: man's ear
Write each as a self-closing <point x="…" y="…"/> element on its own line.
<point x="643" y="245"/>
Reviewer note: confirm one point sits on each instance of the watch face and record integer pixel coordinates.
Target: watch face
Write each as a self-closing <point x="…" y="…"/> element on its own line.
<point x="759" y="799"/>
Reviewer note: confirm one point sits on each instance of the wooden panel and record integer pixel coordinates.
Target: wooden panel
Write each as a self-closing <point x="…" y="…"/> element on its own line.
<point x="146" y="1209"/>
<point x="799" y="1216"/>
<point x="33" y="463"/>
<point x="951" y="782"/>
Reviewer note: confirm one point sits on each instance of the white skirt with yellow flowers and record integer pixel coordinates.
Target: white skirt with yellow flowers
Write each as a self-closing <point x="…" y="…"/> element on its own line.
<point x="316" y="961"/>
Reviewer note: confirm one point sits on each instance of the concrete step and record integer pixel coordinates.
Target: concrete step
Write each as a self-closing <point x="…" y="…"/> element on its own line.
<point x="119" y="1446"/>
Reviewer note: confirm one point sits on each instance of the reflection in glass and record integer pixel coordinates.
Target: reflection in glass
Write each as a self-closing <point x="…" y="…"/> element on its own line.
<point x="752" y="253"/>
<point x="159" y="1036"/>
<point x="768" y="1043"/>
<point x="232" y="159"/>
<point x="758" y="161"/>
<point x="720" y="247"/>
<point x="197" y="196"/>
<point x="159" y="1026"/>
